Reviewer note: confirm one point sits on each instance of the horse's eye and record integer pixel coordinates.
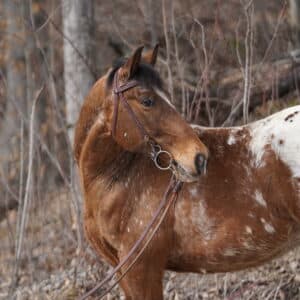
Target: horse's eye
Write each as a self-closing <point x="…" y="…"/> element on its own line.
<point x="148" y="102"/>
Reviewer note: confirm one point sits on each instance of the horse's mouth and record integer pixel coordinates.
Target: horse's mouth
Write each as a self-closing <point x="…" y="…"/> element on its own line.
<point x="183" y="175"/>
<point x="163" y="160"/>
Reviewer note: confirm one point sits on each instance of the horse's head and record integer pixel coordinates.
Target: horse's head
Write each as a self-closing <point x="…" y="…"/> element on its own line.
<point x="150" y="113"/>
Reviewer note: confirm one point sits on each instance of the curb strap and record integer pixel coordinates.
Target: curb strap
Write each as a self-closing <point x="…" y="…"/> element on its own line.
<point x="173" y="189"/>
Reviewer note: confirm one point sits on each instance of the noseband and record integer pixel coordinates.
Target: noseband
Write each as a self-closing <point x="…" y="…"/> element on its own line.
<point x="156" y="150"/>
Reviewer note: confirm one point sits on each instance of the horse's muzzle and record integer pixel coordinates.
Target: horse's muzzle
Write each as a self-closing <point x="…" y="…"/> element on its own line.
<point x="185" y="175"/>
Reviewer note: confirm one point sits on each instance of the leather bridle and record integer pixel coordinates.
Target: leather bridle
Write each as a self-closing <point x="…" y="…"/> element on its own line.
<point x="169" y="198"/>
<point x="118" y="95"/>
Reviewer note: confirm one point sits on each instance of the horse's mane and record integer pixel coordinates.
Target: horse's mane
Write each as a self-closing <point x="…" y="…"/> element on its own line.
<point x="146" y="75"/>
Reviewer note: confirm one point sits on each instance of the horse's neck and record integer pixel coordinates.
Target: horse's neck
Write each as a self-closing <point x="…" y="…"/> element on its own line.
<point x="113" y="181"/>
<point x="102" y="158"/>
<point x="93" y="111"/>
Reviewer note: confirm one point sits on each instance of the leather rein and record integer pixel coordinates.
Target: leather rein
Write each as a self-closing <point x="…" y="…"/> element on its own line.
<point x="170" y="196"/>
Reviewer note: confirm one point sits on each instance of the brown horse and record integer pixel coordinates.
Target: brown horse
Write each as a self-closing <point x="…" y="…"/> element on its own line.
<point x="244" y="211"/>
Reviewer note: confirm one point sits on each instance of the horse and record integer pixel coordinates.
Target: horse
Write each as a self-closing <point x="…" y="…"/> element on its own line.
<point x="239" y="206"/>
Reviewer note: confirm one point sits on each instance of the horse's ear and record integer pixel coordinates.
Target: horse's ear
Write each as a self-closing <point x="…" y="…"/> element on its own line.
<point x="150" y="56"/>
<point x="132" y="63"/>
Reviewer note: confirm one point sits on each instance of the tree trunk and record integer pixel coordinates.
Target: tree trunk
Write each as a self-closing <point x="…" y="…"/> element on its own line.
<point x="294" y="21"/>
<point x="78" y="76"/>
<point x="16" y="104"/>
<point x="59" y="139"/>
<point x="151" y="18"/>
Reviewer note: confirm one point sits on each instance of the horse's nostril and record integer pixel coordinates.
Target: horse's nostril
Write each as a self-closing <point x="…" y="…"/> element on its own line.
<point x="200" y="162"/>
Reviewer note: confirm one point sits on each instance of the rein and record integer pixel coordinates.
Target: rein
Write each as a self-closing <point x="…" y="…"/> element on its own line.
<point x="169" y="198"/>
<point x="160" y="214"/>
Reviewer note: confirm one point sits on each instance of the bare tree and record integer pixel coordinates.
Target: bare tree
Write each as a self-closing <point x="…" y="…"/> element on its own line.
<point x="294" y="20"/>
<point x="78" y="75"/>
<point x="15" y="107"/>
<point x="78" y="24"/>
<point x="151" y="12"/>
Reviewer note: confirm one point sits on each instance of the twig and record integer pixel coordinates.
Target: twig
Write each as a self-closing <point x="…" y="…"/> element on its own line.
<point x="26" y="200"/>
<point x="82" y="57"/>
<point x="168" y="54"/>
<point x="71" y="184"/>
<point x="178" y="64"/>
<point x="49" y="17"/>
<point x="279" y="22"/>
<point x="204" y="78"/>
<point x="248" y="10"/>
<point x="237" y="49"/>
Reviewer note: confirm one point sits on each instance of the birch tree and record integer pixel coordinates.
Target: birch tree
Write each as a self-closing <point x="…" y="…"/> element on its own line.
<point x="78" y="39"/>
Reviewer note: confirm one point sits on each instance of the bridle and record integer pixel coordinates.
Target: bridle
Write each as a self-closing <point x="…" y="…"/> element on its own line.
<point x="118" y="95"/>
<point x="169" y="198"/>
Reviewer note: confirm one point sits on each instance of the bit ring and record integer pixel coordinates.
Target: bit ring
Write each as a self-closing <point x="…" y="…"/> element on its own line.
<point x="156" y="162"/>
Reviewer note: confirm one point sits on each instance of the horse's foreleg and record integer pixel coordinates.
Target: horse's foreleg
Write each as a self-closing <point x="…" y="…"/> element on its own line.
<point x="144" y="281"/>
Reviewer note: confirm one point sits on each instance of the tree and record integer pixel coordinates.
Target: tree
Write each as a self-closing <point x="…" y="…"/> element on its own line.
<point x="78" y="24"/>
<point x="15" y="107"/>
<point x="78" y="74"/>
<point x="295" y="20"/>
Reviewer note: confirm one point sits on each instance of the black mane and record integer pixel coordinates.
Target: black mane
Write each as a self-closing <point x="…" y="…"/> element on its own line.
<point x="146" y="75"/>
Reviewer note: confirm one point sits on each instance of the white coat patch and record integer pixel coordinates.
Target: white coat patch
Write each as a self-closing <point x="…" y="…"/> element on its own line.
<point x="230" y="252"/>
<point x="248" y="245"/>
<point x="281" y="132"/>
<point x="101" y="118"/>
<point x="162" y="95"/>
<point x="268" y="227"/>
<point x="259" y="198"/>
<point x="193" y="191"/>
<point x="251" y="215"/>
<point x="204" y="223"/>
<point x="248" y="229"/>
<point x="231" y="140"/>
